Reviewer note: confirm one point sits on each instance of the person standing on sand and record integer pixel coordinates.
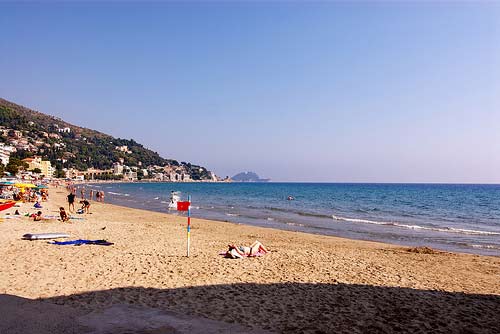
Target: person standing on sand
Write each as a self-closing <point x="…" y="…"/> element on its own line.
<point x="91" y="194"/>
<point x="82" y="192"/>
<point x="71" y="202"/>
<point x="102" y="196"/>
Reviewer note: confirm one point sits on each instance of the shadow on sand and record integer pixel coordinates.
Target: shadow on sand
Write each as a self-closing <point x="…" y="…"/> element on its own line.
<point x="297" y="307"/>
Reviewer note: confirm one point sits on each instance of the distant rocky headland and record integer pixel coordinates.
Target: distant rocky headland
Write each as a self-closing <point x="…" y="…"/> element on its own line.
<point x="248" y="177"/>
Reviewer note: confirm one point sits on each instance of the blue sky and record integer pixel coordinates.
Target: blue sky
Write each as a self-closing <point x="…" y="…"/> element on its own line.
<point x="330" y="92"/>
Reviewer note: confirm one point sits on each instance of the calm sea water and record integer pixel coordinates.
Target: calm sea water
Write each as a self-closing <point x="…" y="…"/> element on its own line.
<point x="463" y="218"/>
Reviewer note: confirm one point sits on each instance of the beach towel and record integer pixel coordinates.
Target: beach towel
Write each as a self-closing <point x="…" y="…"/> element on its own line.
<point x="80" y="242"/>
<point x="233" y="254"/>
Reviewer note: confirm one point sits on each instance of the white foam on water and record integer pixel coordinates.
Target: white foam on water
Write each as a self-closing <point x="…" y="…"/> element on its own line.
<point x="113" y="193"/>
<point x="294" y="224"/>
<point x="416" y="227"/>
<point x="485" y="246"/>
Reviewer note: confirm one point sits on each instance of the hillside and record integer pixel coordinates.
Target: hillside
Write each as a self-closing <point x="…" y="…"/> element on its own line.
<point x="70" y="146"/>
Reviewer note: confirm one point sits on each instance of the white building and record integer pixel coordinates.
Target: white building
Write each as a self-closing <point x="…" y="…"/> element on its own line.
<point x="117" y="169"/>
<point x="123" y="148"/>
<point x="5" y="152"/>
<point x="130" y="176"/>
<point x="65" y="130"/>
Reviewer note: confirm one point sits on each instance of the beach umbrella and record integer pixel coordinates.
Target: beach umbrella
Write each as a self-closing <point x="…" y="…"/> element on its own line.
<point x="42" y="186"/>
<point x="24" y="185"/>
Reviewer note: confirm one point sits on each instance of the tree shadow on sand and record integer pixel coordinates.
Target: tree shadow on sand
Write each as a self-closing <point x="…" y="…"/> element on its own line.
<point x="312" y="308"/>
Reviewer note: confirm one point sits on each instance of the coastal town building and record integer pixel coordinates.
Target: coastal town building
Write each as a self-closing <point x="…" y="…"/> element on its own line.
<point x="16" y="134"/>
<point x="65" y="130"/>
<point x="5" y="152"/>
<point x="93" y="173"/>
<point x="179" y="177"/>
<point x="33" y="163"/>
<point x="44" y="165"/>
<point x="117" y="168"/>
<point x="70" y="173"/>
<point x="47" y="168"/>
<point x="54" y="136"/>
<point x="123" y="148"/>
<point x="130" y="176"/>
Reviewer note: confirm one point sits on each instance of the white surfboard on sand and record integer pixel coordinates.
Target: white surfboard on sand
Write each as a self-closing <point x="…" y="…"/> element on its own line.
<point x="40" y="236"/>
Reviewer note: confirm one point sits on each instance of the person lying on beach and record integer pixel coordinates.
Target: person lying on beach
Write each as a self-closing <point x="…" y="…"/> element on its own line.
<point x="38" y="216"/>
<point x="240" y="251"/>
<point x="62" y="213"/>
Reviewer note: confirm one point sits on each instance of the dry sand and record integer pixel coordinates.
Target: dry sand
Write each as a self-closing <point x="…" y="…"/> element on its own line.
<point x="307" y="284"/>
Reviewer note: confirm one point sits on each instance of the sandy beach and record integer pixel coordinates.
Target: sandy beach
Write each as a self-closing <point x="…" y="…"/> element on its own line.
<point x="306" y="284"/>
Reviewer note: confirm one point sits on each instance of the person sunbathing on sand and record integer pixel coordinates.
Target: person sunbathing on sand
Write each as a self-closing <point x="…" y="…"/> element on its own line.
<point x="252" y="250"/>
<point x="38" y="216"/>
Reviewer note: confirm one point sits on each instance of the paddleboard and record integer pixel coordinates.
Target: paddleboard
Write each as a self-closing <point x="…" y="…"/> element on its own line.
<point x="40" y="236"/>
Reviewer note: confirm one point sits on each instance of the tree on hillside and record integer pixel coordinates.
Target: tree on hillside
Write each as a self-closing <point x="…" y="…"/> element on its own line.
<point x="15" y="165"/>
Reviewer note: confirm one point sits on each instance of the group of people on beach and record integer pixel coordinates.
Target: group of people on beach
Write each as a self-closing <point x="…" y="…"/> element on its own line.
<point x="234" y="251"/>
<point x="24" y="194"/>
<point x="99" y="194"/>
<point x="71" y="204"/>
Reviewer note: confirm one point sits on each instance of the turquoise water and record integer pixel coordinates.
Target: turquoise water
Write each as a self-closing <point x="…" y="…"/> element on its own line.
<point x="464" y="218"/>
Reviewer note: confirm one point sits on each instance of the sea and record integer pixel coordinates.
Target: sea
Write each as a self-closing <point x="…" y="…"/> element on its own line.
<point x="450" y="217"/>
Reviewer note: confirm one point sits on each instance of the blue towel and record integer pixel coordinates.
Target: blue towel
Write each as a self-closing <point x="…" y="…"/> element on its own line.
<point x="82" y="242"/>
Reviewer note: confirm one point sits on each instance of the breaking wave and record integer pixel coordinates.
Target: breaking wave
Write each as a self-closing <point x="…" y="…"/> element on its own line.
<point x="416" y="227"/>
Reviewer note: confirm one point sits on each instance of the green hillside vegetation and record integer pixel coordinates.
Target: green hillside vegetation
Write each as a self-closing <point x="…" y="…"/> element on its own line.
<point x="81" y="148"/>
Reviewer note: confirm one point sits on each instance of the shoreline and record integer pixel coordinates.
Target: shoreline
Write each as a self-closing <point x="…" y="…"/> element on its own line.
<point x="308" y="274"/>
<point x="415" y="232"/>
<point x="277" y="230"/>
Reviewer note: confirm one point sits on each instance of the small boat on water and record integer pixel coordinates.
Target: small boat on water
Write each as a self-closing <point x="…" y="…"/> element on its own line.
<point x="6" y="205"/>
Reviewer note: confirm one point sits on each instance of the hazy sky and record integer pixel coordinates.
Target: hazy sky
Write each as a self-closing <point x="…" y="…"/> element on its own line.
<point x="335" y="92"/>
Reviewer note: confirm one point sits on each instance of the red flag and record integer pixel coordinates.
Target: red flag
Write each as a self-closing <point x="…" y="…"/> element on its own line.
<point x="183" y="206"/>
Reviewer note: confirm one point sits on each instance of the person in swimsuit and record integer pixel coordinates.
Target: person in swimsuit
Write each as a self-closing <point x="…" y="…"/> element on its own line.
<point x="85" y="205"/>
<point x="256" y="247"/>
<point x="63" y="214"/>
<point x="71" y="202"/>
<point x="38" y="217"/>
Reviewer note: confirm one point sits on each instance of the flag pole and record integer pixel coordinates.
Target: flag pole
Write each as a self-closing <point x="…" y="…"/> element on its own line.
<point x="189" y="225"/>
